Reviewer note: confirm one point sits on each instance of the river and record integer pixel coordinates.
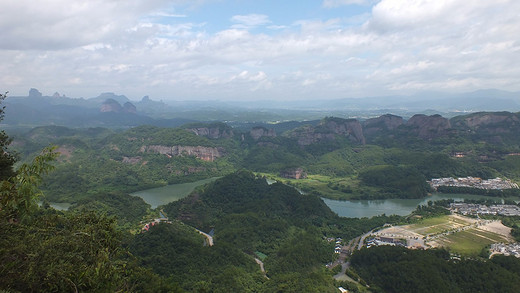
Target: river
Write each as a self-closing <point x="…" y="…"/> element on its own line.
<point x="402" y="207"/>
<point x="163" y="195"/>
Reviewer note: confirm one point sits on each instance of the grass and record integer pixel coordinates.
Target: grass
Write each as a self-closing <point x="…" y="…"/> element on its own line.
<point x="467" y="242"/>
<point x="323" y="185"/>
<point x="471" y="241"/>
<point x="437" y="225"/>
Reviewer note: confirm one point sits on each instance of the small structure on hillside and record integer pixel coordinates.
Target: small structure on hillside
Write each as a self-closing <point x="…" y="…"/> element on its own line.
<point x="293" y="173"/>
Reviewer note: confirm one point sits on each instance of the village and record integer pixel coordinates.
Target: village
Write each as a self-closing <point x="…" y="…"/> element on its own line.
<point x="473" y="182"/>
<point x="480" y="209"/>
<point x="505" y="249"/>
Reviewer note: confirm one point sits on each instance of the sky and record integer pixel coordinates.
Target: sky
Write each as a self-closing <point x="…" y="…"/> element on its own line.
<point x="258" y="49"/>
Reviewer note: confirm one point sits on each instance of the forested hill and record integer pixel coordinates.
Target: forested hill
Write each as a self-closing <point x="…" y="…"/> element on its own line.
<point x="345" y="154"/>
<point x="250" y="219"/>
<point x="242" y="193"/>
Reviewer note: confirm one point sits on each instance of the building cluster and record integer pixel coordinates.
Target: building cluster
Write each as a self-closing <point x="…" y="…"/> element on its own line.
<point x="506" y="249"/>
<point x="381" y="240"/>
<point x="473" y="182"/>
<point x="480" y="209"/>
<point x="149" y="225"/>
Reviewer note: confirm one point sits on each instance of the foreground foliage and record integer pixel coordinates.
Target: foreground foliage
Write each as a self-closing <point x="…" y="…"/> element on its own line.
<point x="397" y="269"/>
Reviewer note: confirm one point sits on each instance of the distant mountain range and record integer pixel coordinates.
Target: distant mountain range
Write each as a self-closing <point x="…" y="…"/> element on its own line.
<point x="111" y="110"/>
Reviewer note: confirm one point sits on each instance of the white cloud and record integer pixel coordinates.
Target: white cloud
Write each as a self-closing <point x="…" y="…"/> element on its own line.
<point x="337" y="3"/>
<point x="101" y="45"/>
<point x="250" y="21"/>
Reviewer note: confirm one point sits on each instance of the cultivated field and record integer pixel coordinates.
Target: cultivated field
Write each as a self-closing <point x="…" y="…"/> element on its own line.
<point x="460" y="234"/>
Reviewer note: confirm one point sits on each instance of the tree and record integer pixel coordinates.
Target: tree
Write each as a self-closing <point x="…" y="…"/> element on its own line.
<point x="6" y="159"/>
<point x="19" y="194"/>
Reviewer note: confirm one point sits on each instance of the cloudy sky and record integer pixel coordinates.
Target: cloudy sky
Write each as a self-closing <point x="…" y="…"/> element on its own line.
<point x="258" y="49"/>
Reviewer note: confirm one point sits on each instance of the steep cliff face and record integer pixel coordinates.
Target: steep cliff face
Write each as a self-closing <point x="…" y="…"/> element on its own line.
<point x="257" y="132"/>
<point x="307" y="135"/>
<point x="204" y="153"/>
<point x="111" y="105"/>
<point x="214" y="131"/>
<point x="328" y="129"/>
<point x="384" y="123"/>
<point x="489" y="123"/>
<point x="429" y="127"/>
<point x="129" y="108"/>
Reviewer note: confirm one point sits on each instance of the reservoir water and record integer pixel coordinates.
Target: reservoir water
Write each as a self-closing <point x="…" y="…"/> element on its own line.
<point x="163" y="195"/>
<point x="344" y="208"/>
<point x="401" y="207"/>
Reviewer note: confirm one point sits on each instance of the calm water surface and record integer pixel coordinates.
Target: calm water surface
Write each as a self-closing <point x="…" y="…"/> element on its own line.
<point x="401" y="207"/>
<point x="163" y="195"/>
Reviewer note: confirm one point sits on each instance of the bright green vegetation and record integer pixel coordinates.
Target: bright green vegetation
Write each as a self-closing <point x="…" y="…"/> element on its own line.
<point x="43" y="250"/>
<point x="248" y="215"/>
<point x="514" y="223"/>
<point x="396" y="269"/>
<point x="90" y="248"/>
<point x="433" y="225"/>
<point x="392" y="165"/>
<point x="129" y="210"/>
<point x="471" y="241"/>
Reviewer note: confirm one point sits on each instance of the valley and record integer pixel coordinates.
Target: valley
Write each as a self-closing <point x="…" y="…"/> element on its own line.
<point x="281" y="195"/>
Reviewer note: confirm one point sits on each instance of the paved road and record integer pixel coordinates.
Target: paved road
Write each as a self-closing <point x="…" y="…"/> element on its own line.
<point x="362" y="239"/>
<point x="210" y="239"/>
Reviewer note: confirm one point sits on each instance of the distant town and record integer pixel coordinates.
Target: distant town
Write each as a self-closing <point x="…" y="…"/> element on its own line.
<point x="473" y="182"/>
<point x="480" y="209"/>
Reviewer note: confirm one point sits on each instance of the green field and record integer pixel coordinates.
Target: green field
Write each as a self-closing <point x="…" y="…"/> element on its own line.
<point x="444" y="231"/>
<point x="437" y="225"/>
<point x="471" y="241"/>
<point x="343" y="188"/>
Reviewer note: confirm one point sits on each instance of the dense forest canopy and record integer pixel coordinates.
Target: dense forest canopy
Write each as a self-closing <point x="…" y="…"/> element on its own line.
<point x="99" y="244"/>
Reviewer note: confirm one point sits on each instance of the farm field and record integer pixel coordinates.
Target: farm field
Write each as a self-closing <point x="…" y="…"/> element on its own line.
<point x="460" y="234"/>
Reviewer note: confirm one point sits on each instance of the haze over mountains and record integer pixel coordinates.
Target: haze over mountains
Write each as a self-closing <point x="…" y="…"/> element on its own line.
<point x="113" y="110"/>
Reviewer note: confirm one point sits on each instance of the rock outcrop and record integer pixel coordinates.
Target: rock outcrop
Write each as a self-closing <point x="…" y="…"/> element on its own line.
<point x="328" y="129"/>
<point x="34" y="93"/>
<point x="129" y="108"/>
<point x="214" y="130"/>
<point x="204" y="153"/>
<point x="257" y="132"/>
<point x="111" y="105"/>
<point x="489" y="123"/>
<point x="429" y="127"/>
<point x="384" y="123"/>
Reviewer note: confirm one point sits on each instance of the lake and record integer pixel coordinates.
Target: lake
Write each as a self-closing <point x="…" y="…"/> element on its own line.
<point x="401" y="207"/>
<point x="163" y="195"/>
<point x="344" y="208"/>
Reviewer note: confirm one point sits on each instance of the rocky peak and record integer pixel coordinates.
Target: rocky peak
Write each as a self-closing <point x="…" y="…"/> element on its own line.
<point x="129" y="108"/>
<point x="384" y="123"/>
<point x="328" y="129"/>
<point x="428" y="127"/>
<point x="257" y="132"/>
<point x="111" y="105"/>
<point x="497" y="122"/>
<point x="34" y="93"/>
